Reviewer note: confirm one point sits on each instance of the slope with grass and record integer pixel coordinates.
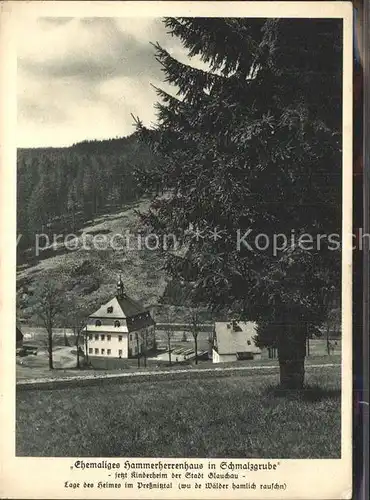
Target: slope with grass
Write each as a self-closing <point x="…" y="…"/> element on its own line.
<point x="241" y="415"/>
<point x="88" y="274"/>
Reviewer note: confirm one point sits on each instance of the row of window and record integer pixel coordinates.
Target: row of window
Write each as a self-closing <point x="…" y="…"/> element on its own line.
<point x="116" y="323"/>
<point x="102" y="337"/>
<point x="102" y="351"/>
<point x="109" y="337"/>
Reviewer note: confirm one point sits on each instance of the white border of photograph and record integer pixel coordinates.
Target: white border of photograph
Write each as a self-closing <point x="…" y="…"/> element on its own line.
<point x="45" y="477"/>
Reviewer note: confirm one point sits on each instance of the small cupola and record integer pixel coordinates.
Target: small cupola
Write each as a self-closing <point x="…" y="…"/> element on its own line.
<point x="120" y="288"/>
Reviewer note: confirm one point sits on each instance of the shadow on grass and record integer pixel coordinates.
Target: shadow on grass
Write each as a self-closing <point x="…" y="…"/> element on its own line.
<point x="310" y="393"/>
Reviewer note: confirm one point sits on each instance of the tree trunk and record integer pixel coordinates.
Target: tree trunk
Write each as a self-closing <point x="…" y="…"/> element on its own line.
<point x="291" y="352"/>
<point x="138" y="353"/>
<point x="145" y="347"/>
<point x="50" y="348"/>
<point x="291" y="373"/>
<point x="169" y="351"/>
<point x="78" y="351"/>
<point x="73" y="218"/>
<point x="327" y="339"/>
<point x="196" y="350"/>
<point x="66" y="344"/>
<point x="86" y="349"/>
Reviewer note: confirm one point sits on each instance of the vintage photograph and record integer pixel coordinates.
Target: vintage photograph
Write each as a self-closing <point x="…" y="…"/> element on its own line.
<point x="179" y="237"/>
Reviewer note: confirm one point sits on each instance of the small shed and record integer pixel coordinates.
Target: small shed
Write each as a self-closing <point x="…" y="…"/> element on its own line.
<point x="235" y="341"/>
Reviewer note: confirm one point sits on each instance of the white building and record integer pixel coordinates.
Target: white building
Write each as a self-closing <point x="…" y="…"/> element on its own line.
<point x="234" y="341"/>
<point x="119" y="329"/>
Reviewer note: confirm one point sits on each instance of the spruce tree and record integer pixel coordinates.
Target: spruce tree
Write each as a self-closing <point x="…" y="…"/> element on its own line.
<point x="253" y="144"/>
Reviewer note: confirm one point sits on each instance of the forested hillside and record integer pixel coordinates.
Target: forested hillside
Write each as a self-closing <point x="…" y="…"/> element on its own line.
<point x="93" y="187"/>
<point x="60" y="188"/>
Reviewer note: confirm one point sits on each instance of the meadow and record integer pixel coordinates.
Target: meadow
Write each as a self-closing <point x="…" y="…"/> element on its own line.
<point x="241" y="415"/>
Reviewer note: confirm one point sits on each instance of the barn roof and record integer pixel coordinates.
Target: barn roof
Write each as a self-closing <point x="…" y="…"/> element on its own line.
<point x="236" y="337"/>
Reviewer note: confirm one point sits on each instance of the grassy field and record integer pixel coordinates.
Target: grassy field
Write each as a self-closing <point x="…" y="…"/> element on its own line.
<point x="231" y="416"/>
<point x="38" y="368"/>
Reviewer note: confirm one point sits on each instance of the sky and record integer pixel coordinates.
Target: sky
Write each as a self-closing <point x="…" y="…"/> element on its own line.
<point x="81" y="78"/>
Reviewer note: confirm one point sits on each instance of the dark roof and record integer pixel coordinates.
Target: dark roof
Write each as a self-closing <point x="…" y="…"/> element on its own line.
<point x="140" y="321"/>
<point x="120" y="307"/>
<point x="130" y="306"/>
<point x="18" y="334"/>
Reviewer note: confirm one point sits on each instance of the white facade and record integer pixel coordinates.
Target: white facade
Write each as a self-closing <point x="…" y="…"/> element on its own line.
<point x="222" y="358"/>
<point x="119" y="329"/>
<point x="107" y="344"/>
<point x="104" y="342"/>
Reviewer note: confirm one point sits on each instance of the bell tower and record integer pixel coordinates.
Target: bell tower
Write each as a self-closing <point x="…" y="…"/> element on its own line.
<point x="120" y="288"/>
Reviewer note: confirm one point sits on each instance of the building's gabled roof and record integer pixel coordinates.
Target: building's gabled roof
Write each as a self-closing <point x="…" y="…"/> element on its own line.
<point x="236" y="337"/>
<point x="120" y="307"/>
<point x="130" y="306"/>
